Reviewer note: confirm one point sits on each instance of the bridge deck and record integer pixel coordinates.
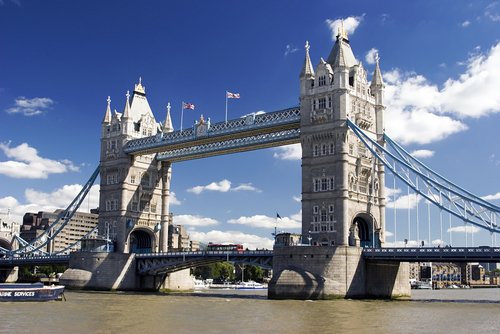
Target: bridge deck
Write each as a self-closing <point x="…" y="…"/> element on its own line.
<point x="444" y="254"/>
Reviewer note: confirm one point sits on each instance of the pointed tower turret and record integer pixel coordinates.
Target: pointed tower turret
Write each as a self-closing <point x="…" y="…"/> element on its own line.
<point x="126" y="109"/>
<point x="307" y="73"/>
<point x="167" y="127"/>
<point x="107" y="114"/>
<point x="377" y="90"/>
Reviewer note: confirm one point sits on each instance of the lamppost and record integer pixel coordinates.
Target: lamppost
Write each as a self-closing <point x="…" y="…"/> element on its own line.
<point x="309" y="238"/>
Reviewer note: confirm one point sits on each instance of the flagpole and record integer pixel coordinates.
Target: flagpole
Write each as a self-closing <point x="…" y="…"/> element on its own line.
<point x="226" y="106"/>
<point x="182" y="113"/>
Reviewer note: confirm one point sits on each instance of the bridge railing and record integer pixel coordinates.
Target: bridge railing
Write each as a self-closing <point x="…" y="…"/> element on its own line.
<point x="252" y="121"/>
<point x="423" y="254"/>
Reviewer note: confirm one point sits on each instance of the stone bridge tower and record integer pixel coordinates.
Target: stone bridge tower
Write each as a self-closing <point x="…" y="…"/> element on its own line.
<point x="343" y="200"/>
<point x="133" y="205"/>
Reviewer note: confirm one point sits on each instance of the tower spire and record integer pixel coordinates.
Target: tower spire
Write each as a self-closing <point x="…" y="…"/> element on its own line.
<point x="107" y="115"/>
<point x="126" y="110"/>
<point x="307" y="69"/>
<point x="377" y="74"/>
<point x="167" y="127"/>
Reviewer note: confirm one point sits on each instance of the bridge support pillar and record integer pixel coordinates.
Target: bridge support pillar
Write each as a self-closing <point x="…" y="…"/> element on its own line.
<point x="117" y="271"/>
<point x="166" y="176"/>
<point x="9" y="275"/>
<point x="312" y="272"/>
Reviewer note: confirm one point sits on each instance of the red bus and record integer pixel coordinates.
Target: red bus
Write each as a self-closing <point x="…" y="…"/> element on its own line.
<point x="225" y="247"/>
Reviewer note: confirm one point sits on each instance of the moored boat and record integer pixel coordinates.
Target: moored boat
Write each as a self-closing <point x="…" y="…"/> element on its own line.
<point x="250" y="285"/>
<point x="30" y="292"/>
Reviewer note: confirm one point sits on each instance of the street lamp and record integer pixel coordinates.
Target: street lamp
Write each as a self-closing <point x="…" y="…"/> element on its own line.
<point x="309" y="237"/>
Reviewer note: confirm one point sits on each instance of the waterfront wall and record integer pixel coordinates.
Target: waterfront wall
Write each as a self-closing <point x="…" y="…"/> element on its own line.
<point x="9" y="275"/>
<point x="117" y="271"/>
<point x="312" y="272"/>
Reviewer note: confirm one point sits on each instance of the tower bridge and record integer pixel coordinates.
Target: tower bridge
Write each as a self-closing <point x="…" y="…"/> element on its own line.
<point x="345" y="155"/>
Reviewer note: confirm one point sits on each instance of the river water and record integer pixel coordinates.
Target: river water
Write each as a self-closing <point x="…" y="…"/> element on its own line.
<point x="230" y="311"/>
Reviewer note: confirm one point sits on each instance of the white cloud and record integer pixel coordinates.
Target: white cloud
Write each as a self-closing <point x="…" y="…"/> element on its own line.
<point x="491" y="197"/>
<point x="389" y="192"/>
<point x="42" y="201"/>
<point x="351" y="23"/>
<point x="371" y="56"/>
<point x="466" y="23"/>
<point x="246" y="187"/>
<point x="173" y="200"/>
<point x="30" y="107"/>
<point x="288" y="152"/>
<point x="262" y="221"/>
<point x="404" y="202"/>
<point x="249" y="241"/>
<point x="28" y="164"/>
<point x="464" y="229"/>
<point x="422" y="153"/>
<point x="420" y="112"/>
<point x="492" y="11"/>
<point x="190" y="220"/>
<point x="223" y="186"/>
<point x="290" y="49"/>
<point x="297" y="198"/>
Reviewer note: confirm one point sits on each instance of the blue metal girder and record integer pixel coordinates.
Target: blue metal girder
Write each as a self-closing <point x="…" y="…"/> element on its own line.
<point x="243" y="134"/>
<point x="443" y="254"/>
<point x="33" y="260"/>
<point x="439" y="191"/>
<point x="161" y="263"/>
<point x="37" y="245"/>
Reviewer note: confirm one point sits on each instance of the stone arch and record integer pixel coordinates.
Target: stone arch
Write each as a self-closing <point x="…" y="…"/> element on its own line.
<point x="142" y="240"/>
<point x="365" y="226"/>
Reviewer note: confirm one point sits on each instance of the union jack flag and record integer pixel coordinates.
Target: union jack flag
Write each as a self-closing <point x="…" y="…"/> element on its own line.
<point x="188" y="106"/>
<point x="230" y="95"/>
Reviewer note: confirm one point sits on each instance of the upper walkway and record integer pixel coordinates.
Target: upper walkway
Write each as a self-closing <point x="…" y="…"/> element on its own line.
<point x="250" y="132"/>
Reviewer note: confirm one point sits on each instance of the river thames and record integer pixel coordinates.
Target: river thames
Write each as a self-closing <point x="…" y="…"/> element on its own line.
<point x="230" y="311"/>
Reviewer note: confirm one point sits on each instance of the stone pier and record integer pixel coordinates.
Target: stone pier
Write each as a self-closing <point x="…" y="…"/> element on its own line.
<point x="328" y="272"/>
<point x="117" y="271"/>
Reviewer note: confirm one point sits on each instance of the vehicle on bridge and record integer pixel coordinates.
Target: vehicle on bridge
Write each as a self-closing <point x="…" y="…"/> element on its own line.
<point x="225" y="247"/>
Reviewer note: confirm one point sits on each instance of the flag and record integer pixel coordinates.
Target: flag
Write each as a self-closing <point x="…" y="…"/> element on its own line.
<point x="230" y="95"/>
<point x="278" y="215"/>
<point x="188" y="106"/>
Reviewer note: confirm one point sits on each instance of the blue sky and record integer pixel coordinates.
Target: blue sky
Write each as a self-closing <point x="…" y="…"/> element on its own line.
<point x="59" y="60"/>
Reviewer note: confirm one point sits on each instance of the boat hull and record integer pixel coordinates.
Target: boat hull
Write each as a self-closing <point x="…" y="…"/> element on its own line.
<point x="30" y="292"/>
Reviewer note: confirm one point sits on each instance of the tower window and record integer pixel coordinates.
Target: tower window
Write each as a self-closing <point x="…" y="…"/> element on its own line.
<point x="316" y="150"/>
<point x="322" y="80"/>
<point x="317" y="185"/>
<point x="322" y="103"/>
<point x="315" y="209"/>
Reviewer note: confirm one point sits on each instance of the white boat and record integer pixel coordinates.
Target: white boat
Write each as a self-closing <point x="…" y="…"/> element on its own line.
<point x="250" y="285"/>
<point x="199" y="284"/>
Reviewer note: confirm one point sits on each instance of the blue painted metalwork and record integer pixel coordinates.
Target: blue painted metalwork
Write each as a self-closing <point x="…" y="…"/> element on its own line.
<point x="31" y="260"/>
<point x="35" y="246"/>
<point x="161" y="263"/>
<point x="249" y="132"/>
<point x="443" y="254"/>
<point x="444" y="194"/>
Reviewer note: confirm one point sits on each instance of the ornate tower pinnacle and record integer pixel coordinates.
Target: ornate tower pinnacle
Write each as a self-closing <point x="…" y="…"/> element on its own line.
<point x="167" y="127"/>
<point x="107" y="115"/>
<point x="307" y="70"/>
<point x="139" y="88"/>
